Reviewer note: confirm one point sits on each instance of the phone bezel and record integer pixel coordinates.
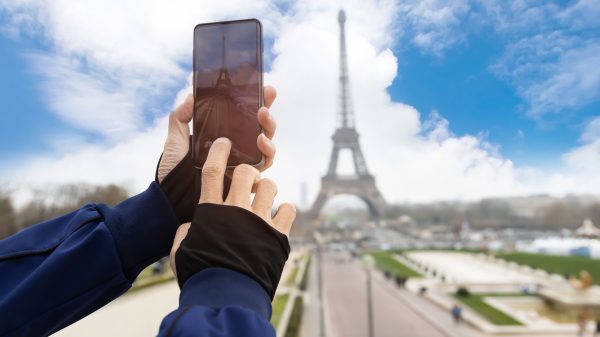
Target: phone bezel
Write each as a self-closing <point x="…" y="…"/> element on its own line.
<point x="261" y="102"/>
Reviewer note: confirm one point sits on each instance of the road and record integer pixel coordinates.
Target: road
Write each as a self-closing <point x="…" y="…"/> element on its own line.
<point x="344" y="284"/>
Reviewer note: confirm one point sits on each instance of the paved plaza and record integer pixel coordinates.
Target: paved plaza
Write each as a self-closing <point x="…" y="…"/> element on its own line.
<point x="134" y="315"/>
<point x="469" y="268"/>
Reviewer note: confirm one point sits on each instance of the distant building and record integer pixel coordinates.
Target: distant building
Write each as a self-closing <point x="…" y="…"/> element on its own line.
<point x="303" y="194"/>
<point x="588" y="230"/>
<point x="406" y="220"/>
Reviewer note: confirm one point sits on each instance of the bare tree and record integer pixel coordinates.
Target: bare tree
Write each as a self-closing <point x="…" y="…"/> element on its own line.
<point x="65" y="199"/>
<point x="7" y="217"/>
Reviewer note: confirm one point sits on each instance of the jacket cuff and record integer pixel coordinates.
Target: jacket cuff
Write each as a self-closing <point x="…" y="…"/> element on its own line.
<point x="143" y="228"/>
<point x="219" y="287"/>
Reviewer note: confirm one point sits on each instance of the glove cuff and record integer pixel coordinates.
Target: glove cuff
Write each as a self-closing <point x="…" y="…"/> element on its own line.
<point x="234" y="238"/>
<point x="180" y="187"/>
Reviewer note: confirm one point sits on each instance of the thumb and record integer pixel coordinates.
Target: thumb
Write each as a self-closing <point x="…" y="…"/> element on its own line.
<point x="179" y="120"/>
<point x="177" y="144"/>
<point x="179" y="236"/>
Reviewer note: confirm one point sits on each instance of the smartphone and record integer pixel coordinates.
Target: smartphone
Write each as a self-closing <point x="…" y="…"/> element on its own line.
<point x="228" y="89"/>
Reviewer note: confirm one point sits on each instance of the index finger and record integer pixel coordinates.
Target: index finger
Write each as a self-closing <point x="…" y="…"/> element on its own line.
<point x="213" y="171"/>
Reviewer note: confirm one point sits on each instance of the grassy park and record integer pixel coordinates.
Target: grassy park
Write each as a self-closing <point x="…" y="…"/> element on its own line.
<point x="386" y="262"/>
<point x="557" y="264"/>
<point x="149" y="278"/>
<point x="279" y="304"/>
<point x="292" y="276"/>
<point x="293" y="328"/>
<point x="304" y="282"/>
<point x="493" y="315"/>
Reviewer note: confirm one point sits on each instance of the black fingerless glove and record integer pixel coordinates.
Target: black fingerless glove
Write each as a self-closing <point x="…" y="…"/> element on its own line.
<point x="182" y="187"/>
<point x="233" y="238"/>
<point x="183" y="184"/>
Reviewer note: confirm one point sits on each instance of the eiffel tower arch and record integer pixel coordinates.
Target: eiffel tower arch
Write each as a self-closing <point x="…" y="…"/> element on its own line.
<point x="362" y="183"/>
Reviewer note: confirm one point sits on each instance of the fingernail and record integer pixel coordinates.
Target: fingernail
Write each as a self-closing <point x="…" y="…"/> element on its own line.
<point x="223" y="140"/>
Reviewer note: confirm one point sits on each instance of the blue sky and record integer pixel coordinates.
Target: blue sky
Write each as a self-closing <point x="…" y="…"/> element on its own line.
<point x="461" y="82"/>
<point x="474" y="100"/>
<point x="520" y="80"/>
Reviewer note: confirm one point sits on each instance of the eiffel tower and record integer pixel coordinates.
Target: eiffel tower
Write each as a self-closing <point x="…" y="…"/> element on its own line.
<point x="362" y="183"/>
<point x="224" y="80"/>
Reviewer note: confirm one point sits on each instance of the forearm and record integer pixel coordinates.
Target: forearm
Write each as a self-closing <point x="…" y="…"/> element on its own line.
<point x="59" y="271"/>
<point x="220" y="302"/>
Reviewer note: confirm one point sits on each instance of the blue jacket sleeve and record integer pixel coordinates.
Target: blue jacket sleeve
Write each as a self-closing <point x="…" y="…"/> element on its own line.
<point x="54" y="273"/>
<point x="220" y="303"/>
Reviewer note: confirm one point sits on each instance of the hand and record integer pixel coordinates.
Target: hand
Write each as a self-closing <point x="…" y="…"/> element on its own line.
<point x="261" y="240"/>
<point x="176" y="172"/>
<point x="177" y="144"/>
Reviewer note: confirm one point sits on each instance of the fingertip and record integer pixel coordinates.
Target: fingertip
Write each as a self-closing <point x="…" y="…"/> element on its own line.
<point x="221" y="144"/>
<point x="291" y="207"/>
<point x="269" y="95"/>
<point x="262" y="138"/>
<point x="285" y="216"/>
<point x="263" y="113"/>
<point x="185" y="111"/>
<point x="265" y="145"/>
<point x="222" y="140"/>
<point x="269" y="89"/>
<point x="267" y="122"/>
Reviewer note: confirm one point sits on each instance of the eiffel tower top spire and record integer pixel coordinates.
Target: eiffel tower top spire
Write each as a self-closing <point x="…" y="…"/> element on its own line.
<point x="345" y="115"/>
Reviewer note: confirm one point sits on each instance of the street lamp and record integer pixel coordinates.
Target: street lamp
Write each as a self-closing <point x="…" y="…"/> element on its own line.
<point x="319" y="239"/>
<point x="369" y="263"/>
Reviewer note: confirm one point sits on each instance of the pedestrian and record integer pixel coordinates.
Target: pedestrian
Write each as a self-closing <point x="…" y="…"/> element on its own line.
<point x="597" y="332"/>
<point x="582" y="320"/>
<point x="456" y="312"/>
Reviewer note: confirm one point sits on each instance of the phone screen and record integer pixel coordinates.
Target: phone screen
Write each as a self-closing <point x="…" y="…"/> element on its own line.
<point x="227" y="89"/>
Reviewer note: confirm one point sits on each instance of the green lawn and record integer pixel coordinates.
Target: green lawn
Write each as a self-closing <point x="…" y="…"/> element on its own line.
<point x="292" y="276"/>
<point x="304" y="281"/>
<point x="385" y="261"/>
<point x="493" y="315"/>
<point x="293" y="328"/>
<point x="556" y="264"/>
<point x="278" y="305"/>
<point x="147" y="278"/>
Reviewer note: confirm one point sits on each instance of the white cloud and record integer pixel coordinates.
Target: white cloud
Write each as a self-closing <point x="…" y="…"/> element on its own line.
<point x="142" y="56"/>
<point x="435" y="24"/>
<point x="130" y="163"/>
<point x="591" y="132"/>
<point x="111" y="62"/>
<point x="573" y="82"/>
<point x="551" y="54"/>
<point x="88" y="102"/>
<point x="555" y="73"/>
<point x="581" y="14"/>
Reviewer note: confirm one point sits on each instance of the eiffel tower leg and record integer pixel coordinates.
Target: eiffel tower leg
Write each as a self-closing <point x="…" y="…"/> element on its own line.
<point x="318" y="205"/>
<point x="333" y="161"/>
<point x="377" y="203"/>
<point x="359" y="161"/>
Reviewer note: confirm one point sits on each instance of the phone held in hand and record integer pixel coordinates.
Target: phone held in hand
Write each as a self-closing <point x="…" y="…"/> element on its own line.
<point x="228" y="89"/>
